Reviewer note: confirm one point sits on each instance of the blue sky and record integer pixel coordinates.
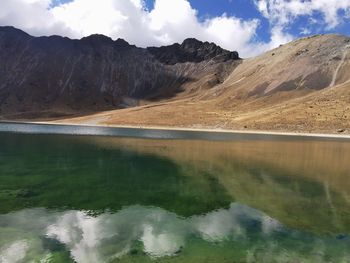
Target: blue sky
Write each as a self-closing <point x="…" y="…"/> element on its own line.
<point x="246" y="9"/>
<point x="248" y="26"/>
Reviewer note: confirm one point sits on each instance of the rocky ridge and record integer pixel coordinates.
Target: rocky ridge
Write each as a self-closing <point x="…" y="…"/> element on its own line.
<point x="96" y="73"/>
<point x="302" y="86"/>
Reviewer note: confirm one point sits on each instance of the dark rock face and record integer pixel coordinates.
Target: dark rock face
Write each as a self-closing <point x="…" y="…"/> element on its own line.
<point x="41" y="73"/>
<point x="192" y="50"/>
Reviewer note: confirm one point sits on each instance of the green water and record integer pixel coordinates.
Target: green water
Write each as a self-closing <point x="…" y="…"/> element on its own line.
<point x="103" y="199"/>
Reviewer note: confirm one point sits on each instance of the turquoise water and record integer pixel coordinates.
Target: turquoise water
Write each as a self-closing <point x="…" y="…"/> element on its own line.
<point x="108" y="199"/>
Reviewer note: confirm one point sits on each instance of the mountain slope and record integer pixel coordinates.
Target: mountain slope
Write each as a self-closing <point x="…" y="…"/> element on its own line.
<point x="302" y="86"/>
<point x="325" y="111"/>
<point x="95" y="73"/>
<point x="310" y="64"/>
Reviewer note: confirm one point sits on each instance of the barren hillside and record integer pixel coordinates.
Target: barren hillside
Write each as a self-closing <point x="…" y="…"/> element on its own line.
<point x="58" y="76"/>
<point x="302" y="86"/>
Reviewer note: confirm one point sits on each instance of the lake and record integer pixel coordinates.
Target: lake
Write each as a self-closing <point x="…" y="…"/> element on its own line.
<point x="73" y="198"/>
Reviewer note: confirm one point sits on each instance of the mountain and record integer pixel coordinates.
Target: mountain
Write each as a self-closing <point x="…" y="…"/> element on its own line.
<point x="300" y="86"/>
<point x="94" y="73"/>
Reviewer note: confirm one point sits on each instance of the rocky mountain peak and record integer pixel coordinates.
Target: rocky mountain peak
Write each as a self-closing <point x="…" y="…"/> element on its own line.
<point x="12" y="30"/>
<point x="97" y="39"/>
<point x="121" y="43"/>
<point x="191" y="43"/>
<point x="192" y="50"/>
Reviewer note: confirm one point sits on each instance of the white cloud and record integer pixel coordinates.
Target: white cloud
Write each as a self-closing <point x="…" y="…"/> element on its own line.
<point x="168" y="22"/>
<point x="229" y="32"/>
<point x="305" y="31"/>
<point x="284" y="12"/>
<point x="32" y="16"/>
<point x="278" y="37"/>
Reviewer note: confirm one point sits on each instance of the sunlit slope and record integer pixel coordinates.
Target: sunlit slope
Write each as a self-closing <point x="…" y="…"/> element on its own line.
<point x="302" y="86"/>
<point x="324" y="111"/>
<point x="308" y="64"/>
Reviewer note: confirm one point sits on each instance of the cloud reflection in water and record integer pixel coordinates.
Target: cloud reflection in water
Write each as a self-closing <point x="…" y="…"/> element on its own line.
<point x="108" y="236"/>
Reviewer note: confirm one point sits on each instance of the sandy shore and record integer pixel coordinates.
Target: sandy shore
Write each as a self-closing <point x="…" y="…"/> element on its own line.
<point x="165" y="128"/>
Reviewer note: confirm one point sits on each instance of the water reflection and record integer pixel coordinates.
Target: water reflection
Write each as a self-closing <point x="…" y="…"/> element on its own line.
<point x="98" y="199"/>
<point x="147" y="232"/>
<point x="304" y="184"/>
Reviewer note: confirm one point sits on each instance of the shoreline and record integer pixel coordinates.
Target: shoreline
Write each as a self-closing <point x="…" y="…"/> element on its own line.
<point x="266" y="134"/>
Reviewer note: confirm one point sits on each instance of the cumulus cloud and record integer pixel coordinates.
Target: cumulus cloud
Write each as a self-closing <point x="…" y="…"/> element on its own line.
<point x="283" y="12"/>
<point x="32" y="16"/>
<point x="168" y="22"/>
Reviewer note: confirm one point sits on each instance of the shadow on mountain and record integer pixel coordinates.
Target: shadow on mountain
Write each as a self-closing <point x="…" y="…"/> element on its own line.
<point x="59" y="75"/>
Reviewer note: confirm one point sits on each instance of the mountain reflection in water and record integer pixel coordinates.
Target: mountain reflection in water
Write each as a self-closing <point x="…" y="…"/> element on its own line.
<point x="103" y="199"/>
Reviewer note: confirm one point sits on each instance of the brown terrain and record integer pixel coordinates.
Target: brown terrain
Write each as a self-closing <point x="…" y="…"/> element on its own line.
<point x="303" y="86"/>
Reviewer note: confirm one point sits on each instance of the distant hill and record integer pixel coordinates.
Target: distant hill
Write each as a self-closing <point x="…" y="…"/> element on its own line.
<point x="301" y="86"/>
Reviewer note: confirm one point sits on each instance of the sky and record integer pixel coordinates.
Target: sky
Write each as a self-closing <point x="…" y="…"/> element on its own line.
<point x="250" y="27"/>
